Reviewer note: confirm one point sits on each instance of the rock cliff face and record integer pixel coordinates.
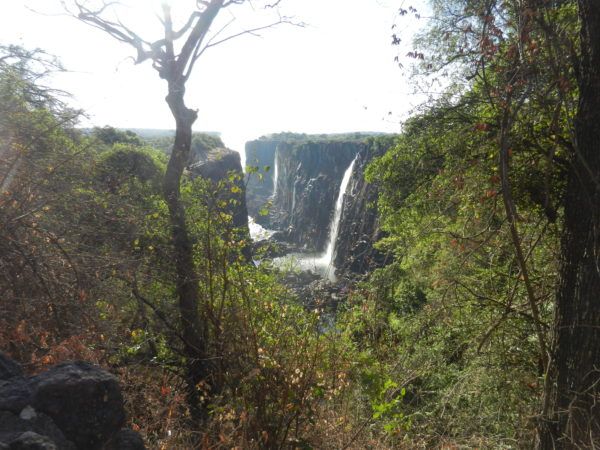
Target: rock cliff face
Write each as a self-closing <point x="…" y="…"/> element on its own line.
<point x="308" y="183"/>
<point x="222" y="165"/>
<point x="261" y="155"/>
<point x="359" y="225"/>
<point x="222" y="168"/>
<point x="303" y="185"/>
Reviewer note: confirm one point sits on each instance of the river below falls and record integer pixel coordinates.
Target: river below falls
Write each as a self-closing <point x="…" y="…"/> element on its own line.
<point x="319" y="264"/>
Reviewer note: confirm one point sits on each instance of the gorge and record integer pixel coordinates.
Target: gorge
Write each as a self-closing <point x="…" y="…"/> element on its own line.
<point x="310" y="191"/>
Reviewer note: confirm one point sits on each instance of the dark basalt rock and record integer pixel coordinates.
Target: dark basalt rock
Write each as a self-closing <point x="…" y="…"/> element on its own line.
<point x="12" y="427"/>
<point x="83" y="400"/>
<point x="8" y="368"/>
<point x="309" y="173"/>
<point x="126" y="440"/>
<point x="359" y="225"/>
<point x="222" y="167"/>
<point x="71" y="406"/>
<point x="15" y="395"/>
<point x="32" y="441"/>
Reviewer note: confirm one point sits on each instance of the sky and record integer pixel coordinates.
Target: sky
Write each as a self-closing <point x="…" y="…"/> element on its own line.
<point x="334" y="74"/>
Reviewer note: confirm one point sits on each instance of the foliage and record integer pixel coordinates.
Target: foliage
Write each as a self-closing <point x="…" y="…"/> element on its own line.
<point x="451" y="321"/>
<point x="109" y="136"/>
<point x="442" y="347"/>
<point x="43" y="290"/>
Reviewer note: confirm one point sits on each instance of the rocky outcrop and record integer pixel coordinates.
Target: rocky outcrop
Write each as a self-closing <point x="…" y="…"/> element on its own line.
<point x="222" y="165"/>
<point x="71" y="406"/>
<point x="222" y="168"/>
<point x="260" y="157"/>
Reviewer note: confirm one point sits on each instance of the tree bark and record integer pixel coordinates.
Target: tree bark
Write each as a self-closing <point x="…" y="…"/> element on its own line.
<point x="185" y="267"/>
<point x="571" y="416"/>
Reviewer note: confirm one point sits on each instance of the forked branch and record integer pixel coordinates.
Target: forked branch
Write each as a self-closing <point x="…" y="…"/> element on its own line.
<point x="194" y="34"/>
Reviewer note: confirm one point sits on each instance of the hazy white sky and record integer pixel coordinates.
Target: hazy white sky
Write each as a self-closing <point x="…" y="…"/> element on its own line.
<point x="336" y="74"/>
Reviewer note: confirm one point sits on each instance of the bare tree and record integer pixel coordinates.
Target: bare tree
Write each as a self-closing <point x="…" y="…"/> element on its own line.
<point x="174" y="56"/>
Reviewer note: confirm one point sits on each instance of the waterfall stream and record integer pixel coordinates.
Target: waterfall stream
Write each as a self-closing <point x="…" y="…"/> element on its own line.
<point x="326" y="259"/>
<point x="275" y="175"/>
<point x="293" y="203"/>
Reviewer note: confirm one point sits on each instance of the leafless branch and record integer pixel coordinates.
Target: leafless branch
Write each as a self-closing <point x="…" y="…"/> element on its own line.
<point x="195" y="15"/>
<point x="197" y="36"/>
<point x="116" y="30"/>
<point x="251" y="31"/>
<point x="233" y="2"/>
<point x="273" y="5"/>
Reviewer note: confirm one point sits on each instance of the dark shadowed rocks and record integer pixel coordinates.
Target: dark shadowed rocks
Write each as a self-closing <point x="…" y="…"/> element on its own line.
<point x="15" y="394"/>
<point x="222" y="169"/>
<point x="126" y="440"/>
<point x="13" y="427"/>
<point x="8" y="368"/>
<point x="309" y="171"/>
<point x="71" y="406"/>
<point x="83" y="400"/>
<point x="359" y="226"/>
<point x="30" y="440"/>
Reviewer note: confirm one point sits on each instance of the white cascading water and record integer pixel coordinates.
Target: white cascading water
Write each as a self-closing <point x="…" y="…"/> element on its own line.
<point x="257" y="231"/>
<point x="326" y="259"/>
<point x="275" y="175"/>
<point x="293" y="203"/>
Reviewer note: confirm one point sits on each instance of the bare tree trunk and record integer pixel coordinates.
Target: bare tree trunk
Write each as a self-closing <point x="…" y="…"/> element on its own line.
<point x="185" y="267"/>
<point x="572" y="416"/>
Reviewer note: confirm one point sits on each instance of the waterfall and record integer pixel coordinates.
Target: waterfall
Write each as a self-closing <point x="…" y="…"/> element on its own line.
<point x="323" y="262"/>
<point x="296" y="180"/>
<point x="275" y="175"/>
<point x="257" y="231"/>
<point x="293" y="202"/>
<point x="326" y="259"/>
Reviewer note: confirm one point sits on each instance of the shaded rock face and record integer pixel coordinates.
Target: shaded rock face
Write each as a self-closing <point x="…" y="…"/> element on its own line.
<point x="218" y="165"/>
<point x="8" y="368"/>
<point x="34" y="426"/>
<point x="70" y="406"/>
<point x="307" y="188"/>
<point x="222" y="167"/>
<point x="260" y="154"/>
<point x="359" y="225"/>
<point x="32" y="441"/>
<point x="309" y="174"/>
